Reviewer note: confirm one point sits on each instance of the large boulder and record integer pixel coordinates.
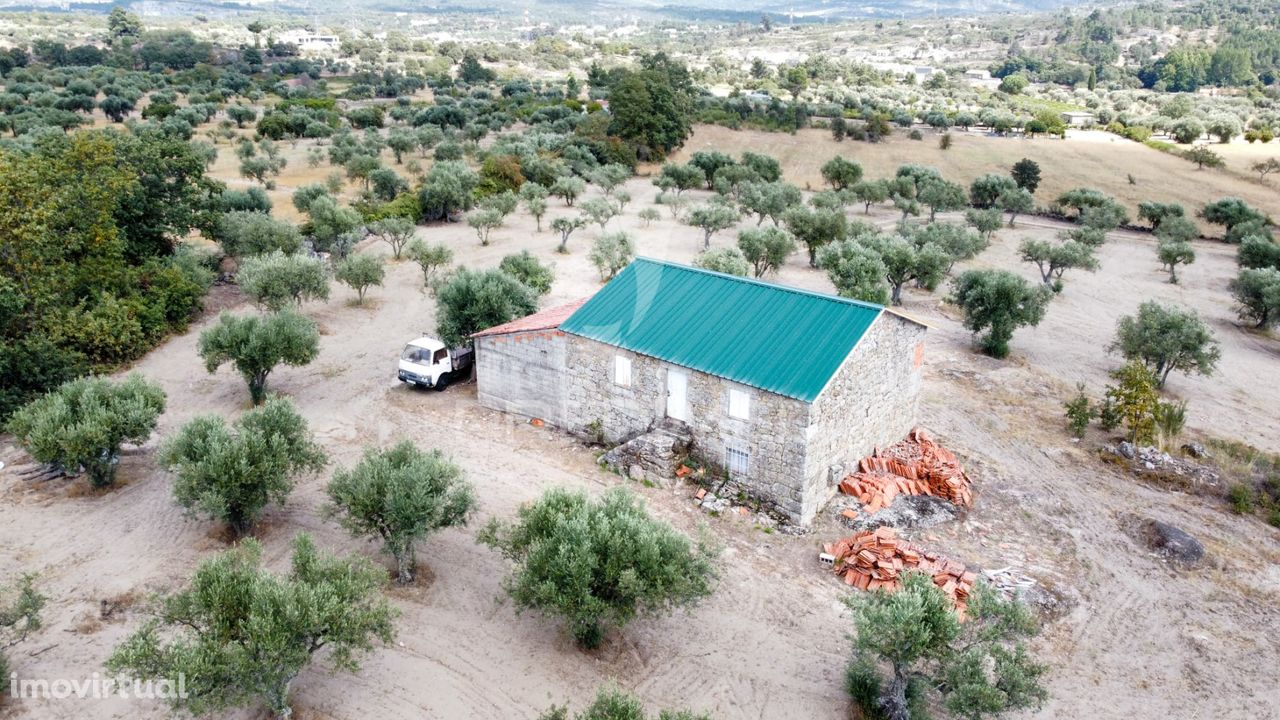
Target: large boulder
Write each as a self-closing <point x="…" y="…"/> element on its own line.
<point x="1172" y="543"/>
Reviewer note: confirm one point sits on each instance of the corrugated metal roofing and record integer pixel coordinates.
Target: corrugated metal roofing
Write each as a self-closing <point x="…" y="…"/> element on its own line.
<point x="784" y="340"/>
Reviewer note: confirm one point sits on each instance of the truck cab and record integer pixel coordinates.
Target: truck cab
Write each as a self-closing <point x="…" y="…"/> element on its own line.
<point x="427" y="362"/>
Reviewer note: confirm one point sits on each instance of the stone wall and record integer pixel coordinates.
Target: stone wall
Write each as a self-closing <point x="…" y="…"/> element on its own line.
<point x="772" y="435"/>
<point x="792" y="446"/>
<point x="870" y="402"/>
<point x="523" y="373"/>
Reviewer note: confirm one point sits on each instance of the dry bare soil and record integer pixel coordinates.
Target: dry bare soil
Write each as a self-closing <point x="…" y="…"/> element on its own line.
<point x="1143" y="640"/>
<point x="1086" y="158"/>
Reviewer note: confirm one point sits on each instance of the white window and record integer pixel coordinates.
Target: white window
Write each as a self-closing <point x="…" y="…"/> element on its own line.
<point x="737" y="460"/>
<point x="622" y="370"/>
<point x="739" y="404"/>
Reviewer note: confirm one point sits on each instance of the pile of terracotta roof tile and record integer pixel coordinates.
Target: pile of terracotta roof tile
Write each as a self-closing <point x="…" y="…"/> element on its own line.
<point x="876" y="560"/>
<point x="914" y="466"/>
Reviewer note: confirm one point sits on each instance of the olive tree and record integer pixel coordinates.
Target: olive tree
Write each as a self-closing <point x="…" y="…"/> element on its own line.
<point x="534" y="197"/>
<point x="600" y="211"/>
<point x="431" y="258"/>
<point x="360" y="272"/>
<point x="1165" y="339"/>
<point x="997" y="302"/>
<point x="710" y="162"/>
<point x="815" y="228"/>
<point x="855" y="270"/>
<point x="277" y="281"/>
<point x="598" y="562"/>
<point x="1053" y="259"/>
<point x="767" y="249"/>
<point x="711" y="218"/>
<point x="231" y="472"/>
<point x="985" y="190"/>
<point x="566" y="227"/>
<point x="1173" y="253"/>
<point x="332" y="225"/>
<point x="20" y="606"/>
<point x="82" y="424"/>
<point x="1257" y="291"/>
<point x="678" y="178"/>
<point x="941" y="196"/>
<point x="484" y="220"/>
<point x="1016" y="202"/>
<point x="400" y="495"/>
<point x="957" y="241"/>
<point x="769" y="200"/>
<point x="526" y="268"/>
<point x="255" y="345"/>
<point x="394" y="231"/>
<point x="612" y="252"/>
<point x="974" y="669"/>
<point x="610" y="176"/>
<point x="1258" y="252"/>
<point x="447" y="190"/>
<point x="239" y="634"/>
<point x="1230" y="212"/>
<point x="986" y="222"/>
<point x="723" y="260"/>
<point x="841" y="173"/>
<point x="473" y="300"/>
<point x="568" y="188"/>
<point x="906" y="262"/>
<point x="1157" y="212"/>
<point x="870" y="192"/>
<point x="243" y="233"/>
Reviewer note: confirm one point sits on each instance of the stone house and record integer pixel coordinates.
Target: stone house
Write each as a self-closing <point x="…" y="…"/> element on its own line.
<point x="783" y="389"/>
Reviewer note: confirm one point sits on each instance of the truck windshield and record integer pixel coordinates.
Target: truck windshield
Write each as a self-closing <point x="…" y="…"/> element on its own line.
<point x="416" y="354"/>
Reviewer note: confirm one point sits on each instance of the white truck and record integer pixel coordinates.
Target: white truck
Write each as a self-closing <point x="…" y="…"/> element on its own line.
<point x="427" y="362"/>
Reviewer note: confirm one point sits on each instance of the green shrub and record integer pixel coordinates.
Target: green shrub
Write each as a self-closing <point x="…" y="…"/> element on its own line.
<point x="1240" y="496"/>
<point x="1135" y="399"/>
<point x="614" y="704"/>
<point x="1170" y="418"/>
<point x="1079" y="413"/>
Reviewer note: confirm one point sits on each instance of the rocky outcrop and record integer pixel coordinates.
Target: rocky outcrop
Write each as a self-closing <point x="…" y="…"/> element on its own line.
<point x="653" y="454"/>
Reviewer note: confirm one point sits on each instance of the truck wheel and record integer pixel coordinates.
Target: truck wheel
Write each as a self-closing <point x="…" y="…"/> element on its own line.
<point x="443" y="382"/>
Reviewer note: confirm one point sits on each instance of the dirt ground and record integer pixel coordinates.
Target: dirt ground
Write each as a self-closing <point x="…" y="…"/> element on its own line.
<point x="1142" y="640"/>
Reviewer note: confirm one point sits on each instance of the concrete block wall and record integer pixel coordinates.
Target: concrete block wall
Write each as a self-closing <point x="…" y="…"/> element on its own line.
<point x="870" y="402"/>
<point x="523" y="373"/>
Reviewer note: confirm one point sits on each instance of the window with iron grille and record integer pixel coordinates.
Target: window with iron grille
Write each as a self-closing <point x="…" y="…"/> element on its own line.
<point x="737" y="460"/>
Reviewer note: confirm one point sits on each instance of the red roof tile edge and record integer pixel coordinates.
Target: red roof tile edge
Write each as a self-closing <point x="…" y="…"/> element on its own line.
<point x="548" y="319"/>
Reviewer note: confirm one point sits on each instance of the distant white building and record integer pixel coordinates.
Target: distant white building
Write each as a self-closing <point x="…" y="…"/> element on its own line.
<point x="1079" y="119"/>
<point x="310" y="42"/>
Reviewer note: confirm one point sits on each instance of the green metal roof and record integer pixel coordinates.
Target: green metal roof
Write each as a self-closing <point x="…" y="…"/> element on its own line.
<point x="775" y="338"/>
